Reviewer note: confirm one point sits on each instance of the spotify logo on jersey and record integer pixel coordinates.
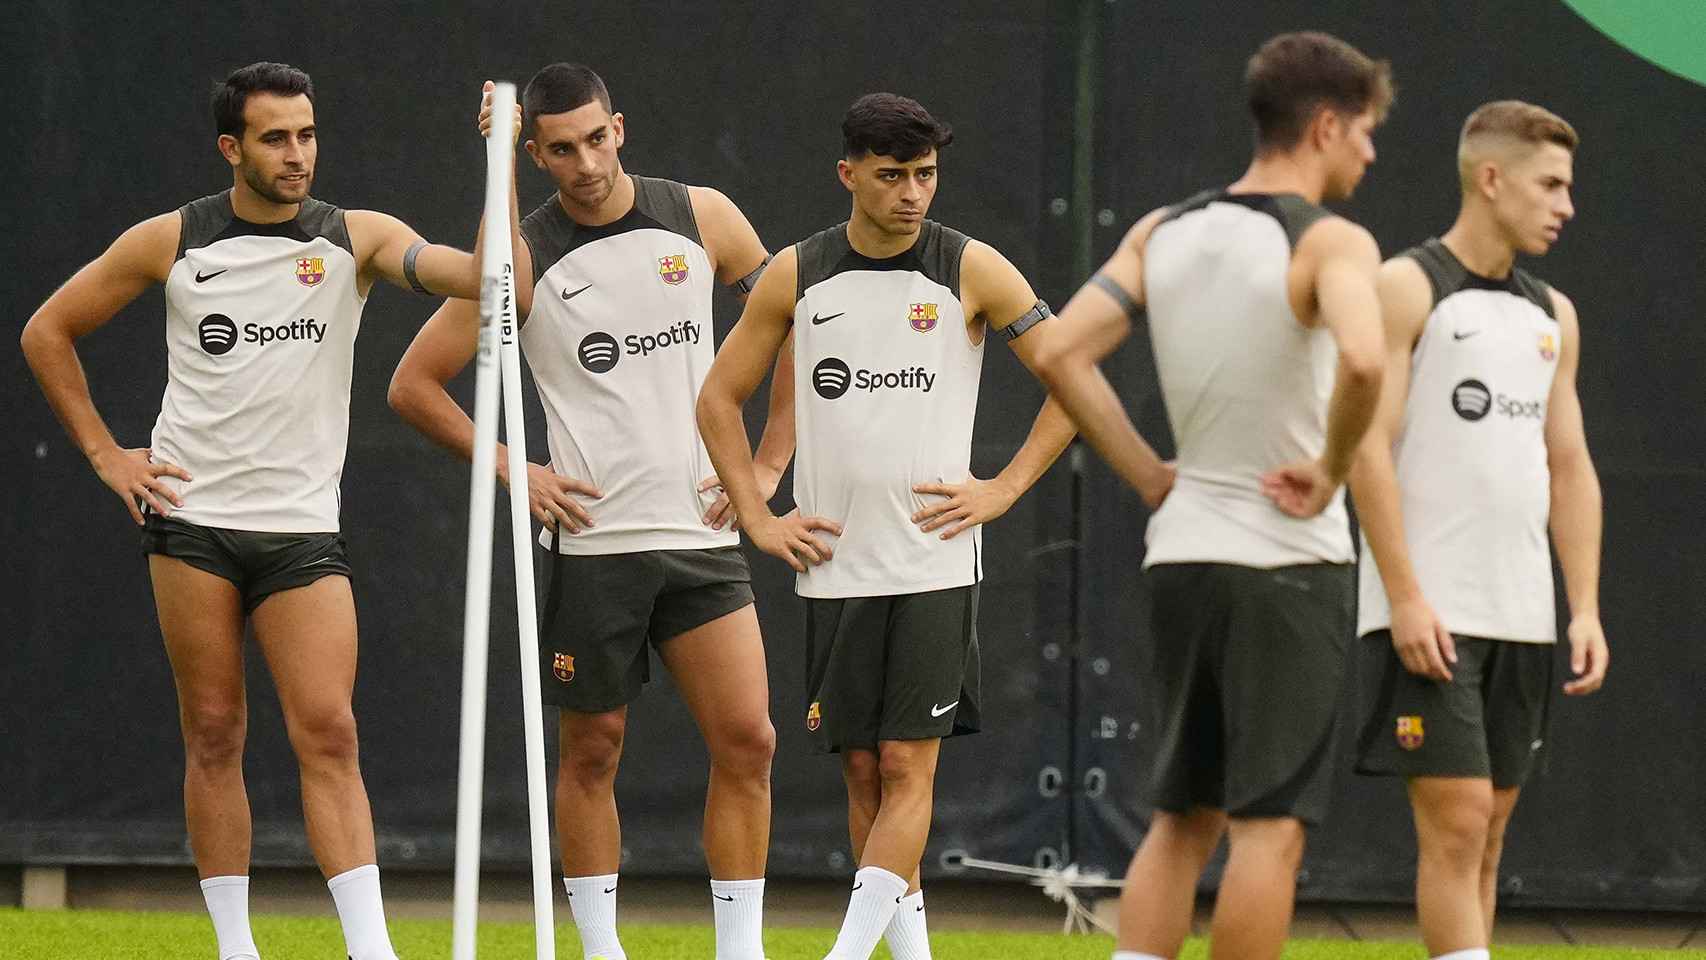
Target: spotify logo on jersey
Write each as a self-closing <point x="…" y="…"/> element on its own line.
<point x="598" y="352"/>
<point x="1471" y="399"/>
<point x="218" y="334"/>
<point x="830" y="378"/>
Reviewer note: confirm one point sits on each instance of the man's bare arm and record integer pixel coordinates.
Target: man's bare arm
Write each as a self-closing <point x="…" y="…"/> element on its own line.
<point x="1000" y="298"/>
<point x="1577" y="511"/>
<point x="1420" y="640"/>
<point x="1065" y="354"/>
<point x="141" y="256"/>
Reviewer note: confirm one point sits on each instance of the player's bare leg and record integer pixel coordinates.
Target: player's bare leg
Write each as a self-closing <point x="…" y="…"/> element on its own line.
<point x="1252" y="913"/>
<point x="864" y="780"/>
<point x="308" y="635"/>
<point x="588" y="829"/>
<point x="1161" y="883"/>
<point x="201" y="619"/>
<point x="720" y="670"/>
<point x="1452" y="817"/>
<point x="1504" y="804"/>
<point x="907" y="769"/>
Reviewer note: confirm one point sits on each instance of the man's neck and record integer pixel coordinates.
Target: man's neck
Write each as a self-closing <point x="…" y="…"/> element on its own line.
<point x="612" y="209"/>
<point x="254" y="208"/>
<point x="1282" y="173"/>
<point x="1479" y="245"/>
<point x="869" y="240"/>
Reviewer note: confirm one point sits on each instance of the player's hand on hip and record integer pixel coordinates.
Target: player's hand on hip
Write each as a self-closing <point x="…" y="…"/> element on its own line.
<point x="966" y="504"/>
<point x="135" y="475"/>
<point x="722" y="511"/>
<point x="485" y="118"/>
<point x="551" y="497"/>
<point x="1589" y="655"/>
<point x="1421" y="641"/>
<point x="790" y="537"/>
<point x="1301" y="489"/>
<point x="1155" y="490"/>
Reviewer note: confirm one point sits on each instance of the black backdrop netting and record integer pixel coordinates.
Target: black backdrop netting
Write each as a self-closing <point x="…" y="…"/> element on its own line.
<point x="111" y="124"/>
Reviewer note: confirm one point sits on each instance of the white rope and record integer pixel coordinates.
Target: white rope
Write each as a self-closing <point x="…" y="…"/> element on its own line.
<point x="1060" y="884"/>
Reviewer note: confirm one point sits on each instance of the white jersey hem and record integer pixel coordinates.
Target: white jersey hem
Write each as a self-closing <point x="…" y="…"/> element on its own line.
<point x="850" y="591"/>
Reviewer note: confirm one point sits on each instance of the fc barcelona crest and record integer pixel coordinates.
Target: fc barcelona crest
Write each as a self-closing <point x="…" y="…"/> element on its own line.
<point x="310" y="270"/>
<point x="814" y="717"/>
<point x="922" y="316"/>
<point x="1410" y="732"/>
<point x="1548" y="348"/>
<point x="563" y="667"/>
<point x="673" y="269"/>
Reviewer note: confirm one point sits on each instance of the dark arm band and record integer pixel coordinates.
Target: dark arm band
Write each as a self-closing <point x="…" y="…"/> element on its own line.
<point x="744" y="285"/>
<point x="1032" y="317"/>
<point x="409" y="274"/>
<point x="1132" y="308"/>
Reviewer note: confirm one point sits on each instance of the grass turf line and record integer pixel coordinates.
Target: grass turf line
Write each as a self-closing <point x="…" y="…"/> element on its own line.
<point x="103" y="935"/>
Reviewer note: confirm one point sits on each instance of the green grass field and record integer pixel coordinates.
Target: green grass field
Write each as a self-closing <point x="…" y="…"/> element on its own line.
<point x="99" y="935"/>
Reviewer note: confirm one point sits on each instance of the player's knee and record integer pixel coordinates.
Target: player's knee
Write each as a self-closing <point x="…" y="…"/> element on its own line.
<point x="1459" y="833"/>
<point x="900" y="767"/>
<point x="745" y="749"/>
<point x="1278" y="839"/>
<point x="326" y="737"/>
<point x="213" y="734"/>
<point x="592" y="747"/>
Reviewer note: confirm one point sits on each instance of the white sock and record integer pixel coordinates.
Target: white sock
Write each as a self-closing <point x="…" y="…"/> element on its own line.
<point x="1479" y="953"/>
<point x="907" y="935"/>
<point x="592" y="900"/>
<point x="1134" y="955"/>
<point x="738" y="906"/>
<point x="362" y="912"/>
<point x="876" y="895"/>
<point x="228" y="905"/>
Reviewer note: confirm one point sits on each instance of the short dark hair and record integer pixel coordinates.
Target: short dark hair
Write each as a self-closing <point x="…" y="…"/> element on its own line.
<point x="559" y="88"/>
<point x="1295" y="74"/>
<point x="230" y="94"/>
<point x="890" y="125"/>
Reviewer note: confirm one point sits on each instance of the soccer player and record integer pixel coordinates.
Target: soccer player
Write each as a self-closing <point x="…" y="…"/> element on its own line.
<point x="890" y="313"/>
<point x="1266" y="329"/>
<point x="1477" y="448"/>
<point x="615" y="278"/>
<point x="237" y="491"/>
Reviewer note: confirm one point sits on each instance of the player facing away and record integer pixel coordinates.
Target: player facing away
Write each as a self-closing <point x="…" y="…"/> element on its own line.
<point x="890" y="313"/>
<point x="1478" y="447"/>
<point x="615" y="281"/>
<point x="1266" y="329"/>
<point x="237" y="491"/>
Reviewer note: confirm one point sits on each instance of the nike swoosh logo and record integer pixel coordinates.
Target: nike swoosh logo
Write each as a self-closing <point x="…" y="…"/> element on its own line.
<point x="609" y="889"/>
<point x="570" y="296"/>
<point x="203" y="278"/>
<point x="1460" y="335"/>
<point x="319" y="561"/>
<point x="723" y="898"/>
<point x="858" y="885"/>
<point x="920" y="909"/>
<point x="817" y="319"/>
<point x="936" y="711"/>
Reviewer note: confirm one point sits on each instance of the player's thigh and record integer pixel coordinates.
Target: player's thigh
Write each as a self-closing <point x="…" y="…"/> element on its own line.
<point x="201" y="623"/>
<point x="308" y="635"/>
<point x="720" y="670"/>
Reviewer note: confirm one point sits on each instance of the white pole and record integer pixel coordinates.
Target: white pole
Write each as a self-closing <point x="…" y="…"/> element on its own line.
<point x="527" y="617"/>
<point x="496" y="279"/>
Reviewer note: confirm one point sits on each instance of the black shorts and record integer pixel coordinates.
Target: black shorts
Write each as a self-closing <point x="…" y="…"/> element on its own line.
<point x="1250" y="663"/>
<point x="900" y="667"/>
<point x="1488" y="722"/>
<point x="259" y="564"/>
<point x="599" y="612"/>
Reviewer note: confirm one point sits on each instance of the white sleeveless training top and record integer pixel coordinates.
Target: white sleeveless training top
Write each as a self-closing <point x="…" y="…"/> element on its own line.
<point x="260" y="341"/>
<point x="1475" y="487"/>
<point x="1246" y="385"/>
<point x="887" y="380"/>
<point x="619" y="342"/>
